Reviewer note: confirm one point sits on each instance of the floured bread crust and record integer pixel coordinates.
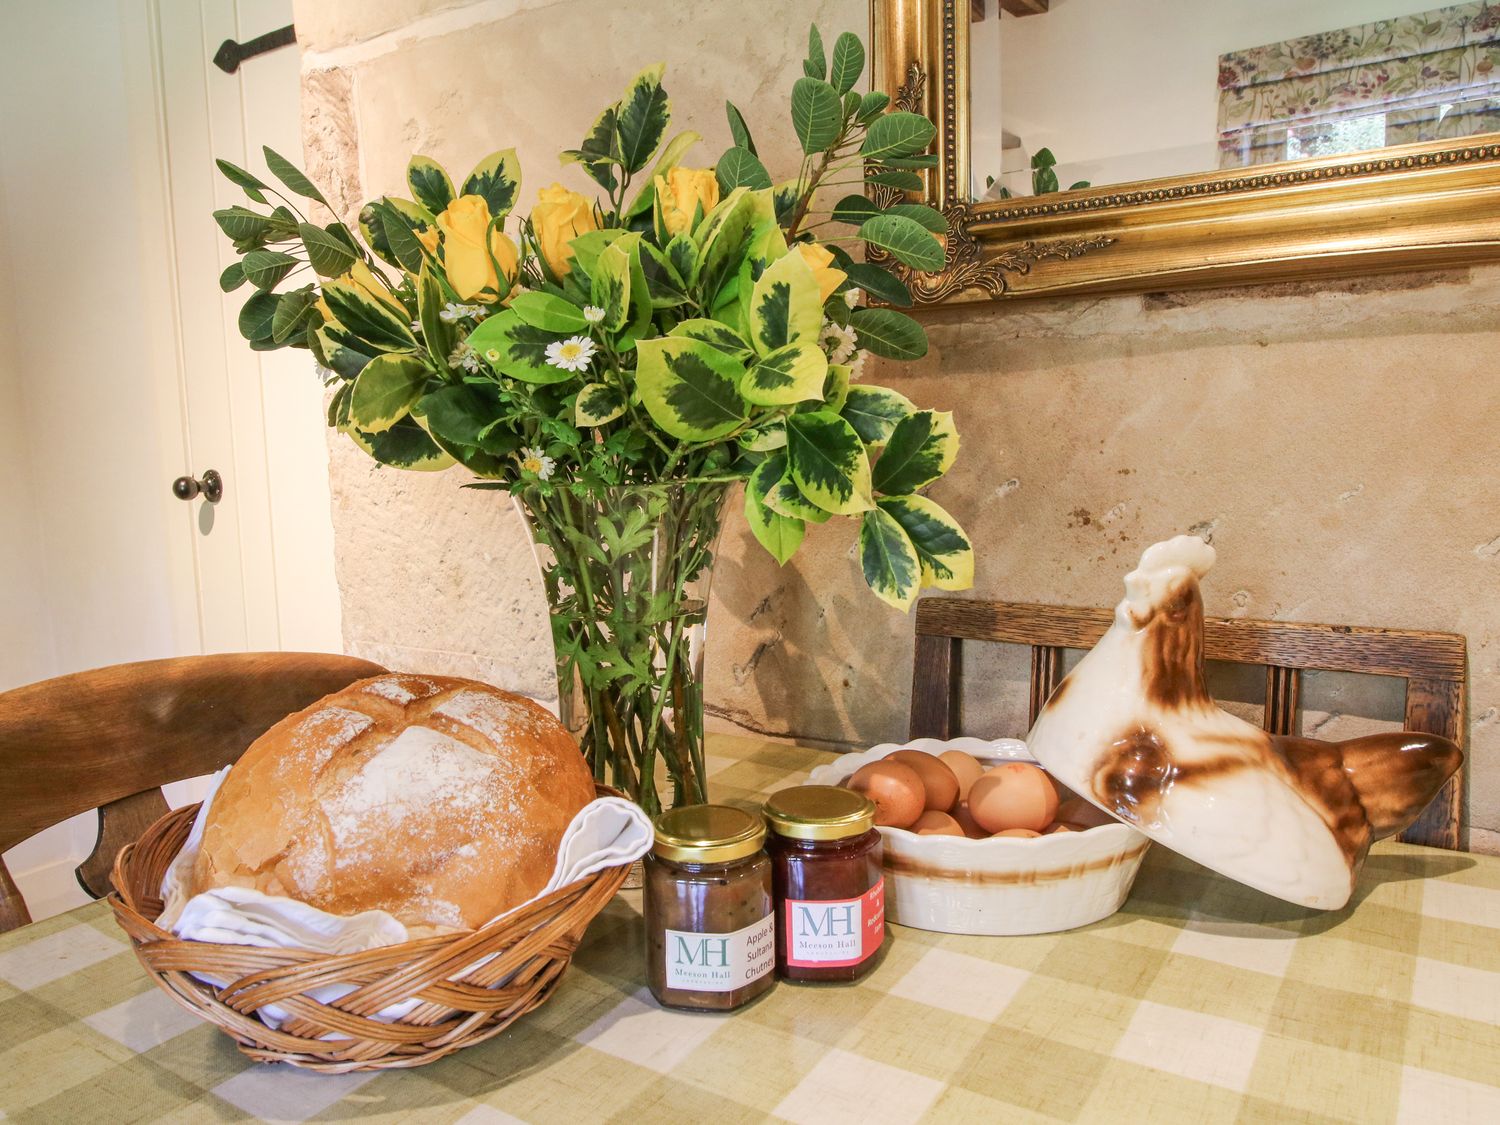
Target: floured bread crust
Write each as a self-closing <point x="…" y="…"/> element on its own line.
<point x="439" y="800"/>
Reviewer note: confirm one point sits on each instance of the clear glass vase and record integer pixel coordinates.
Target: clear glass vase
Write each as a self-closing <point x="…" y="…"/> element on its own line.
<point x="626" y="571"/>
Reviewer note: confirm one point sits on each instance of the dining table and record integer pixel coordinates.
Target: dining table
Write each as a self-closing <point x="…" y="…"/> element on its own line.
<point x="1200" y="1001"/>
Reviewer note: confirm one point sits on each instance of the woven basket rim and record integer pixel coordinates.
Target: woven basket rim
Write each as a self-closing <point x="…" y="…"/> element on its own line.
<point x="448" y="976"/>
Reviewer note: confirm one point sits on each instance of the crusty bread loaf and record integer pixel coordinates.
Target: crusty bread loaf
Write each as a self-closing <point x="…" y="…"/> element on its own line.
<point x="439" y="800"/>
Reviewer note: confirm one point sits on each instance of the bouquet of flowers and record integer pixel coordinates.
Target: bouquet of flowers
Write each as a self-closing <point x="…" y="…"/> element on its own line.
<point x="616" y="362"/>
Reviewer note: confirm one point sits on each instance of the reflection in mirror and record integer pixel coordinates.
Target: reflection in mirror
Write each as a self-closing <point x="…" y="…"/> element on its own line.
<point x="1067" y="93"/>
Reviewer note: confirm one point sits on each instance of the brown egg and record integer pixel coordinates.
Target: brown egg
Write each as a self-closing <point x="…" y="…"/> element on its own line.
<point x="1013" y="795"/>
<point x="1061" y="826"/>
<point x="937" y="779"/>
<point x="1022" y="833"/>
<point x="966" y="769"/>
<point x="1083" y="814"/>
<point x="966" y="821"/>
<point x="934" y="823"/>
<point x="896" y="790"/>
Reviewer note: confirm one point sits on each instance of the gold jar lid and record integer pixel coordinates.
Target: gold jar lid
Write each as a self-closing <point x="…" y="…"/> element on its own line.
<point x="820" y="812"/>
<point x="708" y="834"/>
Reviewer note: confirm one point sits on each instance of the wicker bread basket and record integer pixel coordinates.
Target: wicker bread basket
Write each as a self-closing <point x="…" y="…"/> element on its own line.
<point x="531" y="948"/>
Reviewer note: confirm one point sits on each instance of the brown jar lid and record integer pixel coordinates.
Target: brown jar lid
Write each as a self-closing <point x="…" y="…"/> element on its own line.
<point x="820" y="812"/>
<point x="708" y="834"/>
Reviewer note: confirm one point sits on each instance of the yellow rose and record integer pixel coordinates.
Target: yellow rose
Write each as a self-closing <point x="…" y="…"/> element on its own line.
<point x="680" y="192"/>
<point x="465" y="257"/>
<point x="428" y="237"/>
<point x="559" y="217"/>
<point x="827" y="277"/>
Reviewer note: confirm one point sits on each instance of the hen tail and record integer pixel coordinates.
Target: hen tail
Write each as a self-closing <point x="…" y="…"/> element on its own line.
<point x="1397" y="774"/>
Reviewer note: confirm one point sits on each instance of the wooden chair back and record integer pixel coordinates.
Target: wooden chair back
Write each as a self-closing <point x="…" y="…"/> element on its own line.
<point x="108" y="739"/>
<point x="1434" y="666"/>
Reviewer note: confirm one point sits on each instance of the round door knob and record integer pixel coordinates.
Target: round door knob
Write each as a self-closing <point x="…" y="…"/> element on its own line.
<point x="210" y="487"/>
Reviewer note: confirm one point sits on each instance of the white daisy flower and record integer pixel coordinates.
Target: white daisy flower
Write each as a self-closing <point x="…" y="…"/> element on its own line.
<point x="537" y="463"/>
<point x="466" y="357"/>
<point x="838" y="341"/>
<point x="857" y="366"/>
<point x="416" y="326"/>
<point x="453" y="311"/>
<point x="593" y="314"/>
<point x="851" y="297"/>
<point x="572" y="354"/>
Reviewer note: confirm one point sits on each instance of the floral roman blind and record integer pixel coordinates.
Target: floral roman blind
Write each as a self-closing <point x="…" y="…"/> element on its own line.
<point x="1422" y="77"/>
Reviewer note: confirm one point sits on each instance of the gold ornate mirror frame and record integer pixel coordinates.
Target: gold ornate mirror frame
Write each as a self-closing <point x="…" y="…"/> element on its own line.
<point x="1426" y="205"/>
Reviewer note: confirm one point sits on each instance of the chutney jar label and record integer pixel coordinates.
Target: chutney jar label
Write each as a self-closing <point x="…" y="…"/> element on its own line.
<point x="833" y="932"/>
<point x="721" y="962"/>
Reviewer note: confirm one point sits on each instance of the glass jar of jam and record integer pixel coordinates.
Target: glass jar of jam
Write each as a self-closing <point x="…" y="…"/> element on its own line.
<point x="710" y="930"/>
<point x="830" y="891"/>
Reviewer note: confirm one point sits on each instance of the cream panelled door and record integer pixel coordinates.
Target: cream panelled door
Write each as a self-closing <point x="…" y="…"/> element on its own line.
<point x="264" y="553"/>
<point x="123" y="364"/>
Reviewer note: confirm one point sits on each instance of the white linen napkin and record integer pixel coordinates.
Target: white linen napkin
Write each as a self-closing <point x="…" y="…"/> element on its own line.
<point x="606" y="832"/>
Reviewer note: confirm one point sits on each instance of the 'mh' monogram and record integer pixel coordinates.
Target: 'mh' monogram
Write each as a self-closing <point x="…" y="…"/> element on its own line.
<point x="831" y="921"/>
<point x="711" y="953"/>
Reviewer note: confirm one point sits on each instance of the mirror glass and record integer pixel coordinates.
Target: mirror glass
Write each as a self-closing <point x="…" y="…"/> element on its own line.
<point x="1073" y="93"/>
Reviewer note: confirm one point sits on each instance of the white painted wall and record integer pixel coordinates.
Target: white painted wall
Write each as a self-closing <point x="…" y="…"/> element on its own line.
<point x="120" y="367"/>
<point x="1126" y="90"/>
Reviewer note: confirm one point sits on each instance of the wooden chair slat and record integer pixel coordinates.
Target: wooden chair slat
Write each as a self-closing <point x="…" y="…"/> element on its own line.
<point x="109" y="738"/>
<point x="1434" y="665"/>
<point x="934" y="688"/>
<point x="1328" y="648"/>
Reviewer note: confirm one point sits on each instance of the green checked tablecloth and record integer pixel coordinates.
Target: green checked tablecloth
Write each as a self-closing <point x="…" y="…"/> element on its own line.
<point x="1201" y="1001"/>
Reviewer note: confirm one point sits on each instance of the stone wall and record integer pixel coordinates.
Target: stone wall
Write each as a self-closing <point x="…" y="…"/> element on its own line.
<point x="1337" y="441"/>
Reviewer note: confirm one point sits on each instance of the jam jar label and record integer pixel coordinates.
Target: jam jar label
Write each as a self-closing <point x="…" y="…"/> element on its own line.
<point x="721" y="962"/>
<point x="835" y="931"/>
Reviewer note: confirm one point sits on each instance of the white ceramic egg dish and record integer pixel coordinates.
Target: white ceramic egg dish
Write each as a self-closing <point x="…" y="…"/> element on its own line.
<point x="997" y="886"/>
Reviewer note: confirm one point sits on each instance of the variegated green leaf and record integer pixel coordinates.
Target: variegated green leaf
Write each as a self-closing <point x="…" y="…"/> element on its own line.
<point x="780" y="535"/>
<point x="643" y="115"/>
<point x="920" y="449"/>
<point x="764" y="438"/>
<point x="944" y="551"/>
<point x="664" y="285"/>
<point x="430" y="185"/>
<point x="588" y="246"/>
<point x="836" y="387"/>
<point x="682" y="252"/>
<point x="767" y="244"/>
<point x="600" y="151"/>
<point x="597" y="404"/>
<point x="776" y="488"/>
<point x="689" y="388"/>
<point x="513" y="347"/>
<point x="788" y="375"/>
<point x="496" y="179"/>
<point x="385" y="391"/>
<point x="406" y="445"/>
<point x="440" y="336"/>
<point x="828" y="462"/>
<point x="372" y="321"/>
<point x="264" y="268"/>
<point x="716" y="334"/>
<point x="611" y="285"/>
<point x="784" y="306"/>
<point x="888" y="560"/>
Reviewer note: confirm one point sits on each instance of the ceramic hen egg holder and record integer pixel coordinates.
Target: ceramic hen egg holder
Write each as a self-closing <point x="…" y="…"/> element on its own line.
<point x="1000" y="885"/>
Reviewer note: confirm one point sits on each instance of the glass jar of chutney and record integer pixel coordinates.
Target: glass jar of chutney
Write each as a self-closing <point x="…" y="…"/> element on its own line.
<point x="830" y="890"/>
<point x="710" y="928"/>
